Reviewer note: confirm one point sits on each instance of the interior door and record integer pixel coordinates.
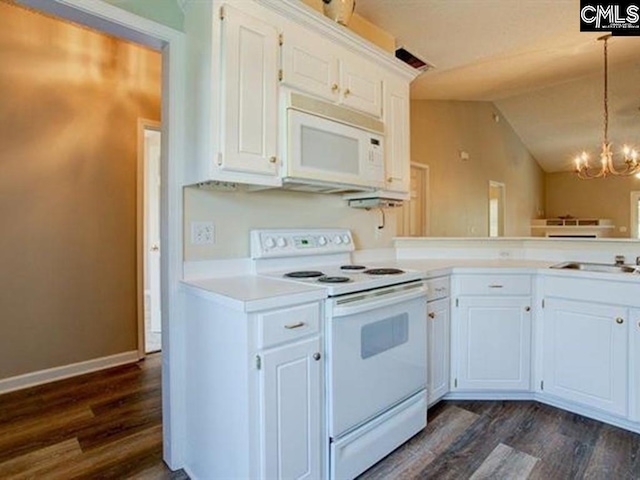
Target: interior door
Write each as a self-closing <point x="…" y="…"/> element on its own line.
<point x="152" y="139"/>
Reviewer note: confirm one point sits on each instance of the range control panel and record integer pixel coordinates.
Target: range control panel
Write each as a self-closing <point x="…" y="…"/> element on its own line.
<point x="296" y="243"/>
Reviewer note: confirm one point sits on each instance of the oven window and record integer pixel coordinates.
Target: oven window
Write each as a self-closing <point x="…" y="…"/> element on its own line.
<point x="384" y="335"/>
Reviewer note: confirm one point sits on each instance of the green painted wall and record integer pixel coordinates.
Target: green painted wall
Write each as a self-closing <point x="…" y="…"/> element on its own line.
<point x="166" y="12"/>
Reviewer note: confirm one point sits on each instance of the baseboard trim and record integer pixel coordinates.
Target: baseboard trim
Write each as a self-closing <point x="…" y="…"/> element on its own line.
<point x="58" y="373"/>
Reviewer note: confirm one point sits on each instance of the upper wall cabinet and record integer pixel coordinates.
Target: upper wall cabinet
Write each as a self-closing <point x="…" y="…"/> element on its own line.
<point x="313" y="65"/>
<point x="233" y="95"/>
<point x="396" y="122"/>
<point x="249" y="105"/>
<point x="240" y="55"/>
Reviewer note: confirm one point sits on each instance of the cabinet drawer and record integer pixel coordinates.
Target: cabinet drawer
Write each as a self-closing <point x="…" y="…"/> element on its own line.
<point x="494" y="284"/>
<point x="437" y="288"/>
<point x="288" y="324"/>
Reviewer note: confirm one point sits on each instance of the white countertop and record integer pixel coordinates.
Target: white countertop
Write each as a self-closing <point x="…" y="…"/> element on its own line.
<point x="251" y="293"/>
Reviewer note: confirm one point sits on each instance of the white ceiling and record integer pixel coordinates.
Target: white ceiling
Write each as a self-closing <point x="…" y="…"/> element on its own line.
<point x="529" y="58"/>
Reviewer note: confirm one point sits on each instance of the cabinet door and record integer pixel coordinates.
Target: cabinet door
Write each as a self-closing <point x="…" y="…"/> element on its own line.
<point x="396" y="120"/>
<point x="438" y="349"/>
<point x="291" y="399"/>
<point x="249" y="94"/>
<point x="493" y="343"/>
<point x="585" y="353"/>
<point x="360" y="86"/>
<point x="634" y="326"/>
<point x="309" y="64"/>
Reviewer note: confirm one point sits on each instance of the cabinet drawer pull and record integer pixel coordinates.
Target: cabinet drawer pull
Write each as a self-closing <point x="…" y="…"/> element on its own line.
<point x="619" y="321"/>
<point x="294" y="325"/>
<point x="495" y="286"/>
<point x="432" y="315"/>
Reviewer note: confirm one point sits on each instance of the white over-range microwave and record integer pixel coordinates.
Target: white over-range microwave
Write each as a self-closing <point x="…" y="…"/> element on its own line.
<point x="331" y="149"/>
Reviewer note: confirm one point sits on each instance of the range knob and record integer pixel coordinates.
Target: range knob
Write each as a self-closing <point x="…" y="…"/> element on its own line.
<point x="337" y="240"/>
<point x="269" y="242"/>
<point x="346" y="239"/>
<point x="282" y="242"/>
<point x="322" y="241"/>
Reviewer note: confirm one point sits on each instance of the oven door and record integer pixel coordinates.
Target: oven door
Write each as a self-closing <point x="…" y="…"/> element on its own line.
<point x="376" y="353"/>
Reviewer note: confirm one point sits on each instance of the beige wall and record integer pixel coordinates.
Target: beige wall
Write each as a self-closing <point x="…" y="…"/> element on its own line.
<point x="459" y="189"/>
<point x="609" y="197"/>
<point x="234" y="214"/>
<point x="68" y="117"/>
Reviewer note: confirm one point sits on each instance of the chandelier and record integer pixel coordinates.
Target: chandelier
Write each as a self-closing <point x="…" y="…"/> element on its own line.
<point x="629" y="165"/>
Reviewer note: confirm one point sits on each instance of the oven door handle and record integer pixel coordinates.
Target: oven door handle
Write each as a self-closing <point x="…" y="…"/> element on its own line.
<point x="371" y="301"/>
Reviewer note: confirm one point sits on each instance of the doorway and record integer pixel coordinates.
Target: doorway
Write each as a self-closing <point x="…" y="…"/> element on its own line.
<point x="496" y="209"/>
<point x="119" y="22"/>
<point x="149" y="313"/>
<point x="413" y="219"/>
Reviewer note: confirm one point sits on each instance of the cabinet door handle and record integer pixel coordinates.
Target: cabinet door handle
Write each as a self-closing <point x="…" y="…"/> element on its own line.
<point x="495" y="286"/>
<point x="347" y="92"/>
<point x="619" y="321"/>
<point x="317" y="356"/>
<point x="294" y="325"/>
<point x="335" y="88"/>
<point x="432" y="315"/>
<point x="527" y="309"/>
<point x="273" y="159"/>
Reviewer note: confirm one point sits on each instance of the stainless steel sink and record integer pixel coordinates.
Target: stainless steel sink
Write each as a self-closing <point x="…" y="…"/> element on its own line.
<point x="597" y="267"/>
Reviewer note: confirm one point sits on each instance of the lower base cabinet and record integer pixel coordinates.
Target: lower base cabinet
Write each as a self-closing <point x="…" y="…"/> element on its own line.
<point x="291" y="396"/>
<point x="493" y="344"/>
<point x="634" y="326"/>
<point x="438" y="349"/>
<point x="585" y="349"/>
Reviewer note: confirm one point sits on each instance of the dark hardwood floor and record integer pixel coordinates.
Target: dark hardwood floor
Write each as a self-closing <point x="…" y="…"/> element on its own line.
<point x="107" y="425"/>
<point x="103" y="425"/>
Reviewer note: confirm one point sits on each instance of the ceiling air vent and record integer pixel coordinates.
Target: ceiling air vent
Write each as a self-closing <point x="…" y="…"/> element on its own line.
<point x="410" y="59"/>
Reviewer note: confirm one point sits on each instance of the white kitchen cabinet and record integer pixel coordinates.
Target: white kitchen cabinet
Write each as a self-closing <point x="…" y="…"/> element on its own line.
<point x="493" y="343"/>
<point x="585" y="349"/>
<point x="438" y="351"/>
<point x="250" y="94"/>
<point x="634" y="363"/>
<point x="396" y="120"/>
<point x="254" y="390"/>
<point x="310" y="64"/>
<point x="313" y="65"/>
<point x="291" y="398"/>
<point x="233" y="111"/>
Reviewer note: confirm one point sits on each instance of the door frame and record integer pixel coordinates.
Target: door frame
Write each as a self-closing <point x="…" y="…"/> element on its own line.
<point x="424" y="169"/>
<point x="141" y="251"/>
<point x="502" y="208"/>
<point x="635" y="198"/>
<point x="115" y="21"/>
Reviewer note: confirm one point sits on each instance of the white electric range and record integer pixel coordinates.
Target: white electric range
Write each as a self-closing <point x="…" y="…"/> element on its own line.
<point x="320" y="257"/>
<point x="375" y="342"/>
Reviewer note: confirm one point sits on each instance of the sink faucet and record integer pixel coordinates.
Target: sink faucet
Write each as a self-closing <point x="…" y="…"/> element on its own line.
<point x="620" y="259"/>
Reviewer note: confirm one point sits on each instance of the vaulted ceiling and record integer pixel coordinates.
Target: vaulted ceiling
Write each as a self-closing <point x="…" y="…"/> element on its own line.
<point x="529" y="58"/>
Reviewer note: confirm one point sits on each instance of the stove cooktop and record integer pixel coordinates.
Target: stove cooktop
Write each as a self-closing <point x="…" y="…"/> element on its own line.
<point x="342" y="279"/>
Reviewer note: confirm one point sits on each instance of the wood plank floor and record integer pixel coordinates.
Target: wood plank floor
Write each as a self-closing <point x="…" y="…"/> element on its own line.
<point x="107" y="425"/>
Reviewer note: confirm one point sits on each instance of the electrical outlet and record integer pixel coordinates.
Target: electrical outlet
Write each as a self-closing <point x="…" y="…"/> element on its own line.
<point x="202" y="233"/>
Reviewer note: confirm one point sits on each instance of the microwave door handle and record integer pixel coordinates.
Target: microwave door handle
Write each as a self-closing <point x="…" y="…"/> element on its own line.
<point x="367" y="304"/>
